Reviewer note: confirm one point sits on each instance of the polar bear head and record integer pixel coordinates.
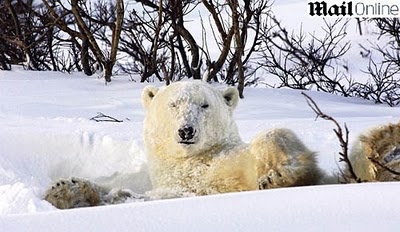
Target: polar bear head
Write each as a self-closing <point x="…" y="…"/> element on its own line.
<point x="188" y="118"/>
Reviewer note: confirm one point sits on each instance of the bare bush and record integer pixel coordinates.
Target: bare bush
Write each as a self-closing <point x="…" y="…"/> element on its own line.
<point x="390" y="27"/>
<point x="60" y="36"/>
<point x="159" y="40"/>
<point x="25" y="36"/>
<point x="70" y="30"/>
<point x="148" y="37"/>
<point x="383" y="85"/>
<point x="303" y="61"/>
<point x="153" y="39"/>
<point x="111" y="18"/>
<point x="243" y="28"/>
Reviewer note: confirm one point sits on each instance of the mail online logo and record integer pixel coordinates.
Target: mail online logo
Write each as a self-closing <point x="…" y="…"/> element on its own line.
<point x="359" y="8"/>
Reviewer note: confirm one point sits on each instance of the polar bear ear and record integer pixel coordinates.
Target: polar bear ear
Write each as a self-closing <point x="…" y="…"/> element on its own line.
<point x="148" y="94"/>
<point x="231" y="96"/>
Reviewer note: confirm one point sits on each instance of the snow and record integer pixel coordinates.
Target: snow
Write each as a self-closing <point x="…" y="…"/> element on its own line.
<point x="46" y="133"/>
<point x="328" y="208"/>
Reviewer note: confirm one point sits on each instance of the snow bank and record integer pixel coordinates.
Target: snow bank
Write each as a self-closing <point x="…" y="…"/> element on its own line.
<point x="358" y="207"/>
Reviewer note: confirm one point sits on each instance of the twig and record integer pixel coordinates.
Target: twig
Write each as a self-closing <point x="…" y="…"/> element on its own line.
<point x="384" y="166"/>
<point x="344" y="142"/>
<point x="100" y="117"/>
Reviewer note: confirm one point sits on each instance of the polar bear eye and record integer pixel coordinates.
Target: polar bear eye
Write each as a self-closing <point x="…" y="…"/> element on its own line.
<point x="173" y="105"/>
<point x="205" y="106"/>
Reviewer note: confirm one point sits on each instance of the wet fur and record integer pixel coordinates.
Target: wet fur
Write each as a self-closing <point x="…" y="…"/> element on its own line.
<point x="219" y="164"/>
<point x="381" y="144"/>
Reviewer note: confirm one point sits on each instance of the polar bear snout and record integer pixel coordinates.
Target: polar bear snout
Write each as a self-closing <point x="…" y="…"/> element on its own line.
<point x="187" y="134"/>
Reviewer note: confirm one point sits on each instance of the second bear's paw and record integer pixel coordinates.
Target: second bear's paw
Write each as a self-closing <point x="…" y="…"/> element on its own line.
<point x="73" y="193"/>
<point x="273" y="179"/>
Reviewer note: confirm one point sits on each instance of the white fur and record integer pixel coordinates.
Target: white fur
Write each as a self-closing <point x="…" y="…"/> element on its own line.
<point x="217" y="160"/>
<point x="209" y="158"/>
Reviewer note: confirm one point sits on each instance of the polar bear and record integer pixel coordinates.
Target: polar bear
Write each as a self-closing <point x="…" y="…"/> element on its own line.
<point x="375" y="156"/>
<point x="193" y="147"/>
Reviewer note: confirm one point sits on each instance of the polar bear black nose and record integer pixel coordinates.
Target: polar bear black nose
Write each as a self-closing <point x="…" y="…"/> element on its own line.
<point x="186" y="133"/>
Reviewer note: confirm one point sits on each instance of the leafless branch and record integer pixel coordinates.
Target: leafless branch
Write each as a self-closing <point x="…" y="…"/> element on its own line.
<point x="375" y="161"/>
<point x="343" y="139"/>
<point x="100" y="117"/>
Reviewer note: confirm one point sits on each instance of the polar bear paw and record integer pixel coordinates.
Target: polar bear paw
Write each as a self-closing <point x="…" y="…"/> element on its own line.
<point x="73" y="193"/>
